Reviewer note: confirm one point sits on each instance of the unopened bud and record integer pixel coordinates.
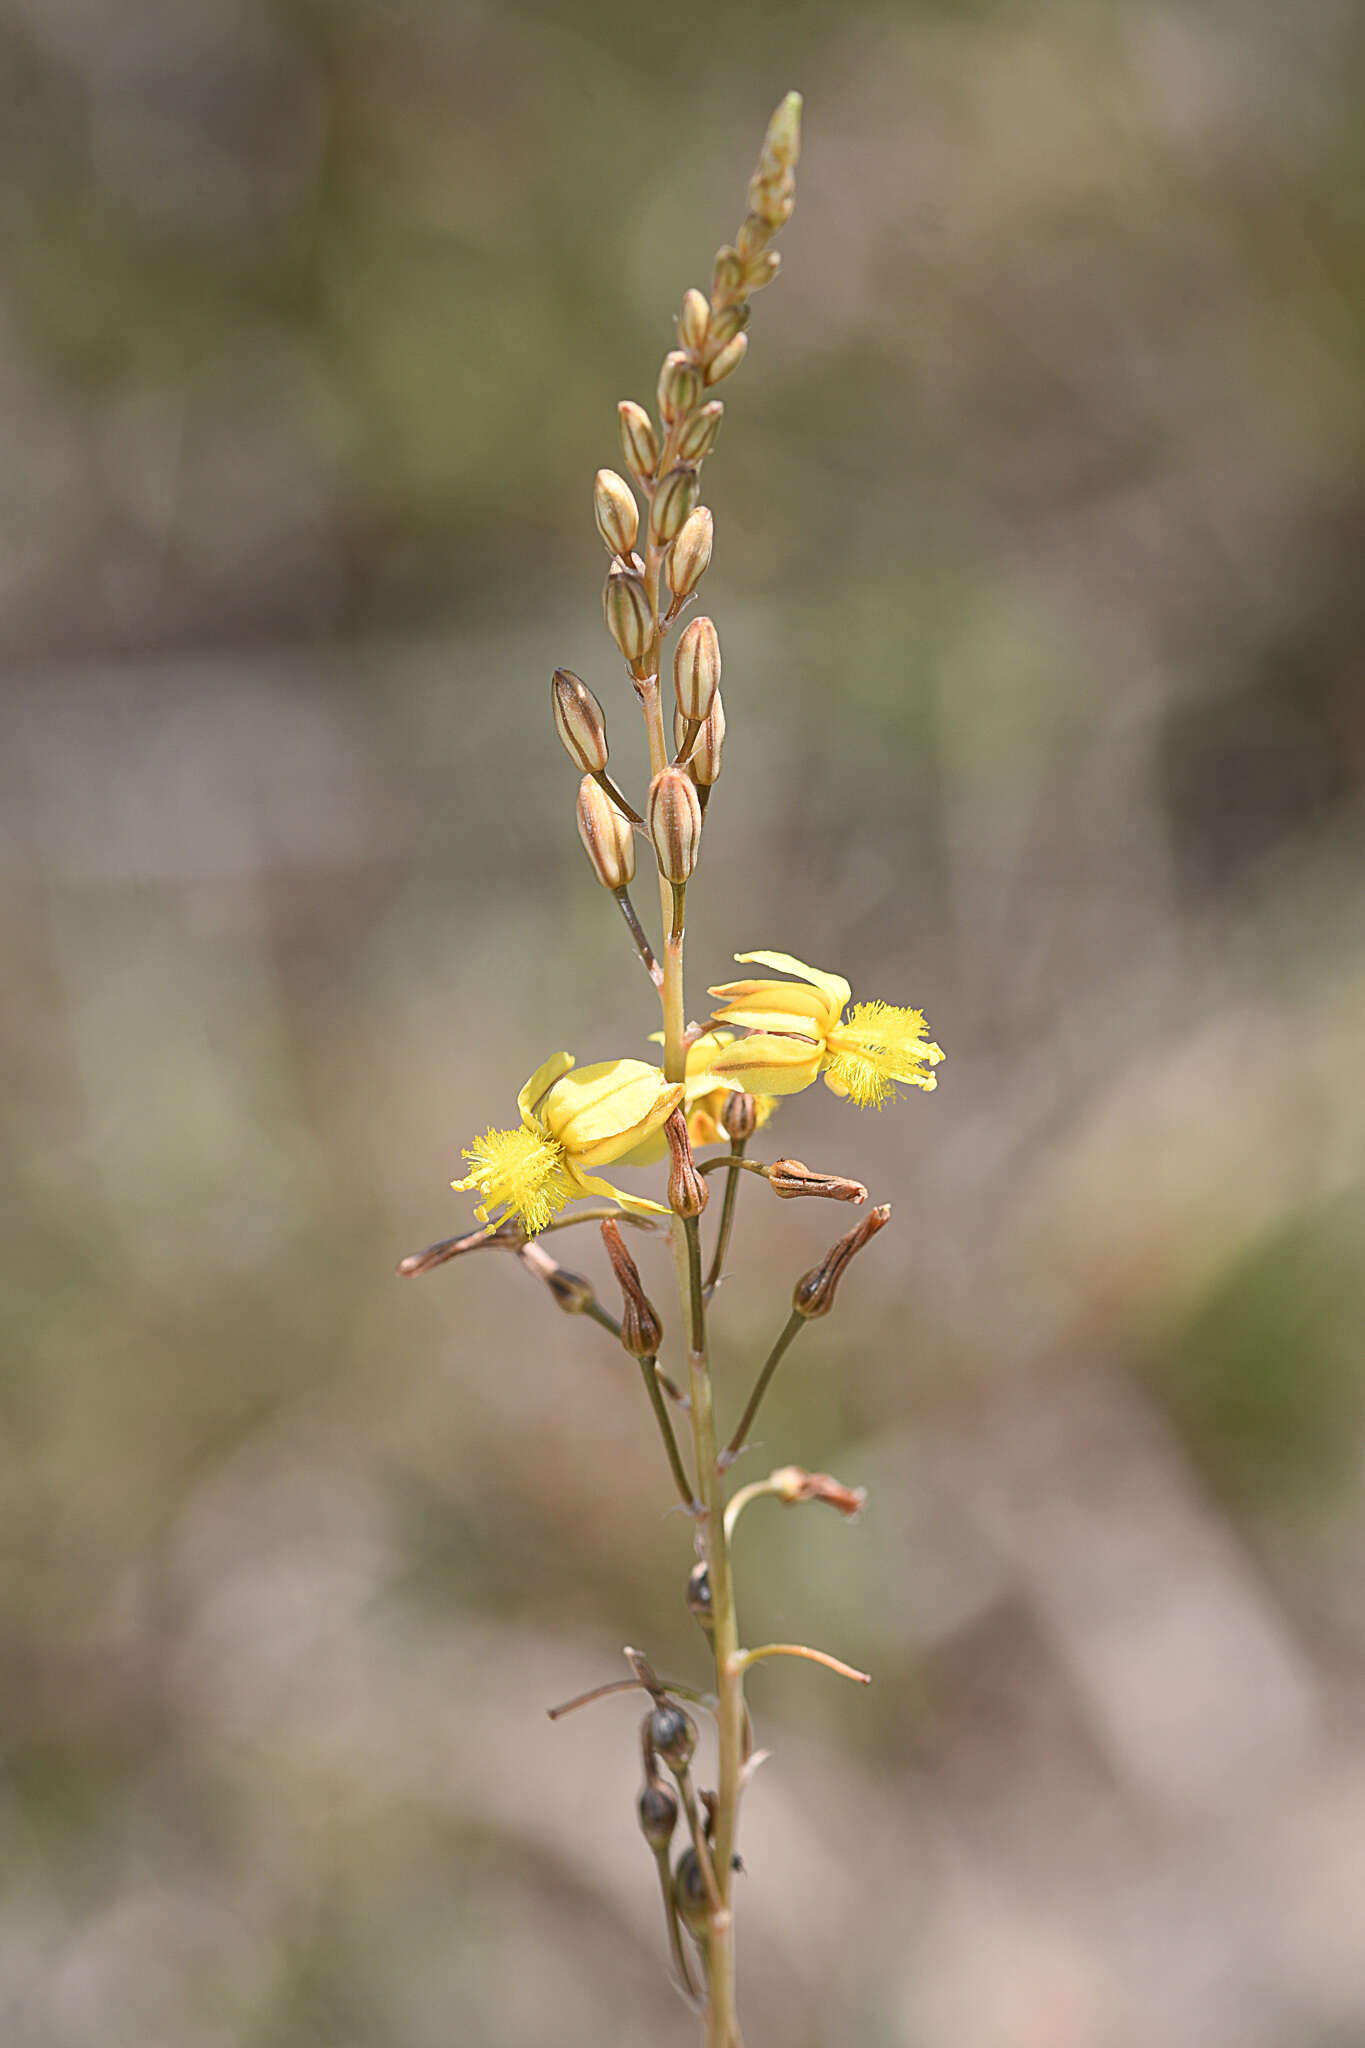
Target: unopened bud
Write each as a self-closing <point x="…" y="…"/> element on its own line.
<point x="689" y="1895"/>
<point x="672" y="1735"/>
<point x="730" y="358"/>
<point x="658" y="1812"/>
<point x="792" y="1177"/>
<point x="739" y="1116"/>
<point x="641" y="1330"/>
<point x="782" y="138"/>
<point x="687" y="1195"/>
<point x="762" y="270"/>
<point x="697" y="435"/>
<point x="679" y="386"/>
<point x="793" y="1484"/>
<point x="629" y="615"/>
<point x="696" y="311"/>
<point x="616" y="512"/>
<point x="773" y="196"/>
<point x="813" y="1294"/>
<point x="691" y="553"/>
<point x="673" y="503"/>
<point x="696" y="668"/>
<point x="729" y="321"/>
<point x="754" y="235"/>
<point x="579" y="721"/>
<point x="727" y="276"/>
<point x="608" y="839"/>
<point x="699" y="1594"/>
<point x="703" y="762"/>
<point x="674" y="819"/>
<point x="639" y="442"/>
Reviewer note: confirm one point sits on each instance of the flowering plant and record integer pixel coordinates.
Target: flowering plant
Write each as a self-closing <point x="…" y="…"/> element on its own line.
<point x="718" y="1084"/>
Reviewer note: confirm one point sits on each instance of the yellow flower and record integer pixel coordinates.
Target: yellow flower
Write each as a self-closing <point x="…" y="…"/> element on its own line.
<point x="799" y="1032"/>
<point x="569" y="1124"/>
<point x="703" y="1099"/>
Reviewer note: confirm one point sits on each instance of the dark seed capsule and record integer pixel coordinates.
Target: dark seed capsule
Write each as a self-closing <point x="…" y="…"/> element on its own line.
<point x="658" y="1812"/>
<point x="673" y="1735"/>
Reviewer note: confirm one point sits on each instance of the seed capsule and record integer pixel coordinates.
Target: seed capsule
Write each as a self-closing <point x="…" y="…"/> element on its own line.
<point x="641" y="1330"/>
<point x="691" y="553"/>
<point x="697" y="435"/>
<point x="658" y="1812"/>
<point x="639" y="442"/>
<point x="813" y="1294"/>
<point x="629" y="615"/>
<point x="689" y="1895"/>
<point x="571" y="1291"/>
<point x="674" y="819"/>
<point x="579" y="721"/>
<point x="696" y="668"/>
<point x="687" y="1192"/>
<point x="616" y="512"/>
<point x="607" y="837"/>
<point x="739" y="1116"/>
<point x="672" y="1735"/>
<point x="692" y="320"/>
<point x="730" y="358"/>
<point x="792" y="1177"/>
<point x="679" y="387"/>
<point x="674" y="501"/>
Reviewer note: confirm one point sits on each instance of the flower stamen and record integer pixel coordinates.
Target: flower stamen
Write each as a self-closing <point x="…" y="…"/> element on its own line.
<point x="519" y="1173"/>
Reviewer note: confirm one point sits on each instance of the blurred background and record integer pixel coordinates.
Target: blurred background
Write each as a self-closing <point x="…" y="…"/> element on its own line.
<point x="1039" y="510"/>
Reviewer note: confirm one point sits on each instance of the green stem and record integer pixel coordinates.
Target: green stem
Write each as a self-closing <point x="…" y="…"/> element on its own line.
<point x="649" y="1374"/>
<point x="727" y="1215"/>
<point x="761" y="1384"/>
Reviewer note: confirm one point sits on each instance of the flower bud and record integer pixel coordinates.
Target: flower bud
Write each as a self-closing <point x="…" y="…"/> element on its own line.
<point x="727" y="275"/>
<point x="696" y="311"/>
<point x="813" y="1294"/>
<point x="579" y="721"/>
<point x="729" y="321"/>
<point x="679" y="387"/>
<point x="672" y="1735"/>
<point x="658" y="1813"/>
<point x="793" y="1484"/>
<point x="703" y="762"/>
<point x="753" y="237"/>
<point x="762" y="270"/>
<point x="674" y="819"/>
<point x="697" y="435"/>
<point x="639" y="442"/>
<point x="641" y="1330"/>
<point x="691" y="553"/>
<point x="730" y="358"/>
<point x="689" y="1895"/>
<point x="629" y="615"/>
<point x="616" y="512"/>
<point x="608" y="839"/>
<point x="687" y="1195"/>
<point x="674" y="499"/>
<point x="772" y="196"/>
<point x="696" y="668"/>
<point x="792" y="1177"/>
<point x="699" y="1594"/>
<point x="782" y="138"/>
<point x="739" y="1116"/>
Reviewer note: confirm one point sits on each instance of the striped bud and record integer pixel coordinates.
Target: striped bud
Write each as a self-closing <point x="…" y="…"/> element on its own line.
<point x="762" y="270"/>
<point x="673" y="815"/>
<point x="616" y="512"/>
<point x="629" y="615"/>
<point x="679" y="387"/>
<point x="641" y="1330"/>
<point x="696" y="312"/>
<point x="687" y="1192"/>
<point x="696" y="668"/>
<point x="730" y="321"/>
<point x="728" y="274"/>
<point x="579" y="721"/>
<point x="674" y="501"/>
<point x="703" y="762"/>
<point x="691" y="553"/>
<point x="739" y="1116"/>
<point x="792" y="1177"/>
<point x="608" y="839"/>
<point x="697" y="434"/>
<point x="813" y="1294"/>
<point x="730" y="358"/>
<point x="639" y="442"/>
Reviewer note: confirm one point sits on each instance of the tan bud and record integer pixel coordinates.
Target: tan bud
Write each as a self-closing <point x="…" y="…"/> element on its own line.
<point x="687" y="1194"/>
<point x="690" y="556"/>
<point x="739" y="1116"/>
<point x="629" y="615"/>
<point x="793" y="1484"/>
<point x="696" y="668"/>
<point x="792" y="1177"/>
<point x="782" y="138"/>
<point x="579" y="721"/>
<point x="673" y="815"/>
<point x="813" y="1294"/>
<point x="763" y="270"/>
<point x="697" y="434"/>
<point x="772" y="196"/>
<point x="679" y="387"/>
<point x="727" y="277"/>
<point x="704" y="760"/>
<point x="616" y="512"/>
<point x="730" y="321"/>
<point x="730" y="358"/>
<point x="696" y="311"/>
<point x="674" y="500"/>
<point x="641" y="1331"/>
<point x="639" y="442"/>
<point x="607" y="835"/>
<point x="754" y="234"/>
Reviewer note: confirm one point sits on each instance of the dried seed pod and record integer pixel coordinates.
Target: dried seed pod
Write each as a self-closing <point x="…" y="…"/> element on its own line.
<point x="673" y="1735"/>
<point x="628" y="612"/>
<point x="739" y="1116"/>
<point x="793" y="1484"/>
<point x="616" y="512"/>
<point x="674" y="500"/>
<point x="692" y="320"/>
<point x="673" y="816"/>
<point x="608" y="839"/>
<point x="679" y="387"/>
<point x="730" y="358"/>
<point x="641" y="1331"/>
<point x="697" y="434"/>
<point x="792" y="1177"/>
<point x="727" y="275"/>
<point x="813" y="1294"/>
<point x="696" y="668"/>
<point x="579" y="721"/>
<point x="690" y="556"/>
<point x="639" y="442"/>
<point x="687" y="1192"/>
<point x="658" y="1814"/>
<point x="729" y="321"/>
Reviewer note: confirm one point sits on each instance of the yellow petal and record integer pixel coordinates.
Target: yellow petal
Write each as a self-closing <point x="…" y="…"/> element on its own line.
<point x="833" y="985"/>
<point x="540" y="1082"/>
<point x="768" y="1065"/>
<point x="777" y="1006"/>
<point x="638" y="1205"/>
<point x="600" y="1112"/>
